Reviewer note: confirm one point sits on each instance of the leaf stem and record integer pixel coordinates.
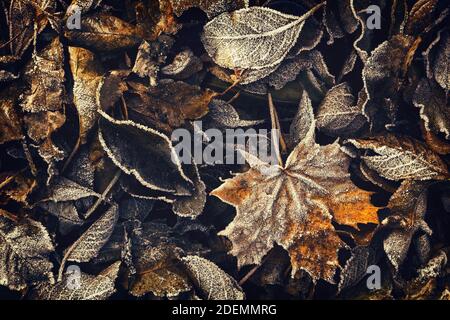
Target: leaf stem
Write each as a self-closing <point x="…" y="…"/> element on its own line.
<point x="277" y="138"/>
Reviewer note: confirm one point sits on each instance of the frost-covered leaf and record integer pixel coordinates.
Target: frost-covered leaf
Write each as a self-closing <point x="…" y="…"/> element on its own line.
<point x="148" y="158"/>
<point x="421" y="15"/>
<point x="155" y="253"/>
<point x="86" y="73"/>
<point x="441" y="64"/>
<point x="424" y="284"/>
<point x="104" y="32"/>
<point x="250" y="38"/>
<point x="303" y="120"/>
<point x="99" y="287"/>
<point x="434" y="108"/>
<point x="184" y="65"/>
<point x="211" y="7"/>
<point x="339" y="20"/>
<point x="66" y="212"/>
<point x="212" y="281"/>
<point x="151" y="56"/>
<point x="355" y="268"/>
<point x="9" y="122"/>
<point x="294" y="205"/>
<point x="25" y="249"/>
<point x="288" y="71"/>
<point x="92" y="240"/>
<point x="224" y="115"/>
<point x="63" y="189"/>
<point x="26" y="20"/>
<point x="46" y="77"/>
<point x="408" y="206"/>
<point x="382" y="75"/>
<point x="159" y="108"/>
<point x="399" y="158"/>
<point x="338" y="114"/>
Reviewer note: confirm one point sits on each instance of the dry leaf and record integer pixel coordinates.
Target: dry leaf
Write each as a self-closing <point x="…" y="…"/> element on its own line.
<point x="99" y="287"/>
<point x="338" y="114"/>
<point x="400" y="158"/>
<point x="211" y="7"/>
<point x="408" y="206"/>
<point x="434" y="109"/>
<point x="86" y="73"/>
<point x="265" y="195"/>
<point x="104" y="32"/>
<point x="10" y="128"/>
<point x="25" y="249"/>
<point x="92" y="240"/>
<point x="249" y="38"/>
<point x="212" y="281"/>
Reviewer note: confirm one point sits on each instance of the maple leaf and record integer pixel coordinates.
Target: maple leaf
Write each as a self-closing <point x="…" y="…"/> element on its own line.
<point x="294" y="206"/>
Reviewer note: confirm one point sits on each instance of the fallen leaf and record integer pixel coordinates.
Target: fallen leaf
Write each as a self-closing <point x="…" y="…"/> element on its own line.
<point x="86" y="73"/>
<point x="10" y="128"/>
<point x="408" y="206"/>
<point x="25" y="249"/>
<point x="232" y="39"/>
<point x="434" y="109"/>
<point x="265" y="195"/>
<point x="99" y="287"/>
<point x="338" y="114"/>
<point x="92" y="240"/>
<point x="46" y="77"/>
<point x="104" y="32"/>
<point x="212" y="281"/>
<point x="399" y="158"/>
<point x="211" y="7"/>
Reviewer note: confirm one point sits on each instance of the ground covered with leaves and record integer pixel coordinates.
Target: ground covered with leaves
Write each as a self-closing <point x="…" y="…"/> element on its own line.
<point x="90" y="180"/>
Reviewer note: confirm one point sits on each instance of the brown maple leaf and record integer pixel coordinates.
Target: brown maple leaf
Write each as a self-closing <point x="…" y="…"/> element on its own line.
<point x="294" y="206"/>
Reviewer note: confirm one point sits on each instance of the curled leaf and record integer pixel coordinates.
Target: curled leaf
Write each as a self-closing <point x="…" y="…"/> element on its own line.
<point x="212" y="281"/>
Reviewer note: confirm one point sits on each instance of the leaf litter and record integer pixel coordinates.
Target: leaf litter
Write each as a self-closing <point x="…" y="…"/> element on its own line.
<point x="90" y="176"/>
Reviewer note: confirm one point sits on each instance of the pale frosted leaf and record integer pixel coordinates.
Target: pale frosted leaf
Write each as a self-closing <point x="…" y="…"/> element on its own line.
<point x="191" y="206"/>
<point x="92" y="240"/>
<point x="303" y="120"/>
<point x="381" y="76"/>
<point x="66" y="212"/>
<point x="212" y="281"/>
<point x="288" y="71"/>
<point x="155" y="251"/>
<point x="25" y="249"/>
<point x="338" y="114"/>
<point x="441" y="67"/>
<point x="99" y="287"/>
<point x="10" y="129"/>
<point x="24" y="17"/>
<point x="401" y="158"/>
<point x="424" y="284"/>
<point x="252" y="38"/>
<point x="356" y="267"/>
<point x="184" y="65"/>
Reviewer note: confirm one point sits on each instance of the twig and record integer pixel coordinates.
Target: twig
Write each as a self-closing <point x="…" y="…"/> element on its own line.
<point x="104" y="194"/>
<point x="253" y="270"/>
